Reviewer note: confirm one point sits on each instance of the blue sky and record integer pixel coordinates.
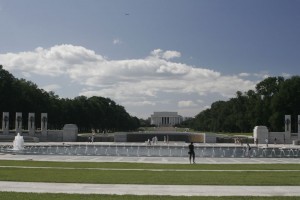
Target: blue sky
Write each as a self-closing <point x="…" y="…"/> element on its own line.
<point x="177" y="55"/>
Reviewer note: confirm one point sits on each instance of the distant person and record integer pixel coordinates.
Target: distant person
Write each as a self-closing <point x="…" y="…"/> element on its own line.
<point x="192" y="152"/>
<point x="93" y="138"/>
<point x="267" y="141"/>
<point x="275" y="140"/>
<point x="248" y="150"/>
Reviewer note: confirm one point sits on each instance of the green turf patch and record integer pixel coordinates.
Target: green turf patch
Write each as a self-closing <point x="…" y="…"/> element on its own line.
<point x="36" y="196"/>
<point x="120" y="165"/>
<point x="141" y="173"/>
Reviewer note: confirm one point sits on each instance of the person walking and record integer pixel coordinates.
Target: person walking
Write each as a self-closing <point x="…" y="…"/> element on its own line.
<point x="192" y="152"/>
<point x="248" y="150"/>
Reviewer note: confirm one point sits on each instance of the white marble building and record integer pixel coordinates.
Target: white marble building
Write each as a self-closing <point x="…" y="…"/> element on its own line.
<point x="165" y="118"/>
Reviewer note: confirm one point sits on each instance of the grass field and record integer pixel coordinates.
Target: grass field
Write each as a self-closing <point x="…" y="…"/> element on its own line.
<point x="35" y="196"/>
<point x="142" y="173"/>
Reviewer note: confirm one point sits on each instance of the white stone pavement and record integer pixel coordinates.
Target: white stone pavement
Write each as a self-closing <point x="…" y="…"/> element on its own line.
<point x="172" y="190"/>
<point x="164" y="160"/>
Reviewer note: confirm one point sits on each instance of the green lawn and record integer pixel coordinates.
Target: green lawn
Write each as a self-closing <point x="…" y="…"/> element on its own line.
<point x="140" y="173"/>
<point x="120" y="165"/>
<point x="36" y="196"/>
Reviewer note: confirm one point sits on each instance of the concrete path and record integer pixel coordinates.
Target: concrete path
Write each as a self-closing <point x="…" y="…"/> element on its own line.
<point x="164" y="160"/>
<point x="172" y="190"/>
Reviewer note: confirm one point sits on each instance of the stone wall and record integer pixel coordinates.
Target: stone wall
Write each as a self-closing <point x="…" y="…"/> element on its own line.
<point x="261" y="133"/>
<point x="170" y="136"/>
<point x="70" y="132"/>
<point x="210" y="138"/>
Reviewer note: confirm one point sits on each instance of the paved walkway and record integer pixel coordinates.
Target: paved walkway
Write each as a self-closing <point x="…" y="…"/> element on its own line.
<point x="164" y="160"/>
<point x="172" y="190"/>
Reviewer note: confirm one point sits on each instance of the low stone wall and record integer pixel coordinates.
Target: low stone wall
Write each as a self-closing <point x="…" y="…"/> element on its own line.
<point x="261" y="133"/>
<point x="162" y="136"/>
<point x="278" y="137"/>
<point x="10" y="138"/>
<point x="68" y="134"/>
<point x="98" y="137"/>
<point x="54" y="136"/>
<point x="210" y="138"/>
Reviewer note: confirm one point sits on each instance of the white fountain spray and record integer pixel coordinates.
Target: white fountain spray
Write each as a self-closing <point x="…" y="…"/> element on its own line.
<point x="18" y="143"/>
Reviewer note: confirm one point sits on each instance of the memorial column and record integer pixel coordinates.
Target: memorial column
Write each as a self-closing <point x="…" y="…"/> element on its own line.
<point x="5" y="123"/>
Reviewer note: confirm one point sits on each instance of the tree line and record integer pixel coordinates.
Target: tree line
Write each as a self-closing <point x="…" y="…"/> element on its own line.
<point x="272" y="98"/>
<point x="99" y="113"/>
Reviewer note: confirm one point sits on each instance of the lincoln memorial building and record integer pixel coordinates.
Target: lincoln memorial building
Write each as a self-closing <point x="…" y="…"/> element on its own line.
<point x="165" y="118"/>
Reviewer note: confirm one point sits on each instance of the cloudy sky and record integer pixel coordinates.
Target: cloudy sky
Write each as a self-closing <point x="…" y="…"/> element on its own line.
<point x="150" y="55"/>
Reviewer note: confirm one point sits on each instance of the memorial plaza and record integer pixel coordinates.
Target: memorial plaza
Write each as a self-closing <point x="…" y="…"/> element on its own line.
<point x="66" y="138"/>
<point x="133" y="189"/>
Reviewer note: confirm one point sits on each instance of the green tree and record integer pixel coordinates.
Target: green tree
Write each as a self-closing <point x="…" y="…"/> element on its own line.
<point x="19" y="95"/>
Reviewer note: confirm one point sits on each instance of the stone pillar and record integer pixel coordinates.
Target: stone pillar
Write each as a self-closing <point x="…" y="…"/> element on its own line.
<point x="261" y="134"/>
<point x="44" y="123"/>
<point x="18" y="122"/>
<point x="287" y="123"/>
<point x="31" y="124"/>
<point x="298" y="124"/>
<point x="5" y="123"/>
<point x="70" y="132"/>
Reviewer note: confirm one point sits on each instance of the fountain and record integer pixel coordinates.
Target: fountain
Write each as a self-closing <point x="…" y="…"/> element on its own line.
<point x="142" y="149"/>
<point x="18" y="143"/>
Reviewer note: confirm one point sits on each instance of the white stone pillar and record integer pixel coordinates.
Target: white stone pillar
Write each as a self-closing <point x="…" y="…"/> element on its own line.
<point x="298" y="124"/>
<point x="31" y="123"/>
<point x="18" y="122"/>
<point x="5" y="123"/>
<point x="287" y="123"/>
<point x="44" y="123"/>
<point x="261" y="134"/>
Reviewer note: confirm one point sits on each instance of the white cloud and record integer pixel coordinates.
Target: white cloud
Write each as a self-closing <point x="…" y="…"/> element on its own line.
<point x="117" y="41"/>
<point x="286" y="75"/>
<point x="145" y="81"/>
<point x="171" y="54"/>
<point x="26" y="74"/>
<point x="184" y="104"/>
<point x="167" y="55"/>
<point x="140" y="103"/>
<point x="244" y="74"/>
<point x="53" y="62"/>
<point x="262" y="74"/>
<point x="200" y="101"/>
<point x="51" y="87"/>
